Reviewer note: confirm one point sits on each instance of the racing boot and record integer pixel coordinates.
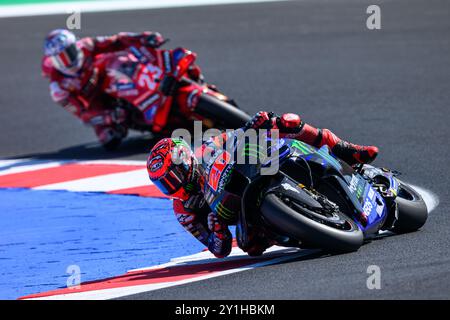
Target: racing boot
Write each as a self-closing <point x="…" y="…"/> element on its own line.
<point x="353" y="153"/>
<point x="291" y="126"/>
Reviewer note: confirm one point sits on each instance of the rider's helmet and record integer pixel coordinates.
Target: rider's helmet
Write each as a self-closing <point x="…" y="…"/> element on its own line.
<point x="61" y="46"/>
<point x="171" y="167"/>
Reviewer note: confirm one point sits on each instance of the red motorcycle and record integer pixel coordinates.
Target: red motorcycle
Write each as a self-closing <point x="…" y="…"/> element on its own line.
<point x="156" y="87"/>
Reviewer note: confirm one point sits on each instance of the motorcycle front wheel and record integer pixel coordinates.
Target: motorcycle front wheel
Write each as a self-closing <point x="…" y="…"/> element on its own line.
<point x="306" y="225"/>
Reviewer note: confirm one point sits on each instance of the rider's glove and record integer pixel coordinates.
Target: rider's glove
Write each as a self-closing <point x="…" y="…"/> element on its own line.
<point x="168" y="85"/>
<point x="155" y="40"/>
<point x="261" y="120"/>
<point x="195" y="73"/>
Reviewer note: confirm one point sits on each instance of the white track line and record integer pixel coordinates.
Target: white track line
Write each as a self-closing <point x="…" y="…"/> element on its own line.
<point x="6" y="163"/>
<point x="21" y="10"/>
<point x="205" y="257"/>
<point x="18" y="168"/>
<point x="103" y="183"/>
<point x="120" y="162"/>
<point x="290" y="253"/>
<point x="19" y="165"/>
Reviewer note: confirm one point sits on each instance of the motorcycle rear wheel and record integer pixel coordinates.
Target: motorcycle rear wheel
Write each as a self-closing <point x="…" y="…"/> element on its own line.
<point x="301" y="224"/>
<point x="222" y="113"/>
<point x="412" y="211"/>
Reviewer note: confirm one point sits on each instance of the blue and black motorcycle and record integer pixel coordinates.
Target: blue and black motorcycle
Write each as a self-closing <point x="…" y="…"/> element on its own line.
<point x="315" y="200"/>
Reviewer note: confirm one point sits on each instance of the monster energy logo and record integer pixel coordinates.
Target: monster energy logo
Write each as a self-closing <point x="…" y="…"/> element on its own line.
<point x="180" y="142"/>
<point x="324" y="153"/>
<point x="224" y="212"/>
<point x="302" y="147"/>
<point x="306" y="149"/>
<point x="252" y="150"/>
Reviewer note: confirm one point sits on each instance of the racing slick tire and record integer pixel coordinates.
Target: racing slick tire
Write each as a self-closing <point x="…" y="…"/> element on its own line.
<point x="297" y="223"/>
<point x="224" y="114"/>
<point x="412" y="212"/>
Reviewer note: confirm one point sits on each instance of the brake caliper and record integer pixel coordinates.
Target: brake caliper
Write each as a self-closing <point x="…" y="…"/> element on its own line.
<point x="328" y="206"/>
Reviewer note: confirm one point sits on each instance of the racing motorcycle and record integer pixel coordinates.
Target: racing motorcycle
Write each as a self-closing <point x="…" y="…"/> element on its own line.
<point x="315" y="200"/>
<point x="151" y="88"/>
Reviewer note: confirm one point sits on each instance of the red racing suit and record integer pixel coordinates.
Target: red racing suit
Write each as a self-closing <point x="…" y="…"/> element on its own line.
<point x="80" y="94"/>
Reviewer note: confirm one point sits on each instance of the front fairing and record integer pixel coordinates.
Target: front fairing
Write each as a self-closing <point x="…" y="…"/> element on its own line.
<point x="358" y="189"/>
<point x="127" y="78"/>
<point x="371" y="202"/>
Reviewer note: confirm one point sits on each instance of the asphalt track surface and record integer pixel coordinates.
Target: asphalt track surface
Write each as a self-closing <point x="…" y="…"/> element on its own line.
<point x="389" y="87"/>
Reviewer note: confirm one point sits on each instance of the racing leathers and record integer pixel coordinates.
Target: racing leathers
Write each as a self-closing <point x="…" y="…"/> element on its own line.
<point x="80" y="93"/>
<point x="207" y="218"/>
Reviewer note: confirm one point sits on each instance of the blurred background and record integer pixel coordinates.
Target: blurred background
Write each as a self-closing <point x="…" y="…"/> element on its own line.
<point x="388" y="87"/>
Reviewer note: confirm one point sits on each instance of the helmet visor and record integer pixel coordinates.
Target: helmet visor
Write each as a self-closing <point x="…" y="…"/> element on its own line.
<point x="174" y="179"/>
<point x="67" y="58"/>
